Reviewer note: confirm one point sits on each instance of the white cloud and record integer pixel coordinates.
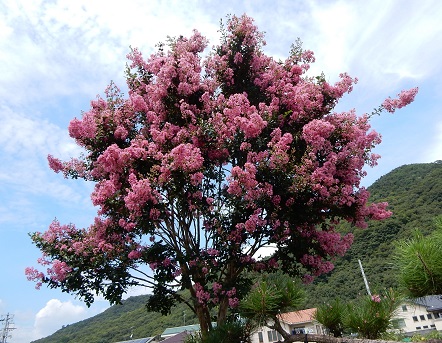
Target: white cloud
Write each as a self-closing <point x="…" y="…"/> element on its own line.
<point x="28" y="185"/>
<point x="383" y="42"/>
<point x="55" y="314"/>
<point x="52" y="317"/>
<point x="24" y="145"/>
<point x="64" y="47"/>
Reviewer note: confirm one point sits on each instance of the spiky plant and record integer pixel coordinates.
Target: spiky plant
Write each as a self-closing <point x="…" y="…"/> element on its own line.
<point x="419" y="261"/>
<point x="331" y="315"/>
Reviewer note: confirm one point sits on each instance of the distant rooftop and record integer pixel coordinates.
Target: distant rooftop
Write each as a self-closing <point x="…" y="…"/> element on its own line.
<point x="431" y="302"/>
<point x="298" y="317"/>
<point x="178" y="338"/>
<point x="138" y="340"/>
<point x="179" y="329"/>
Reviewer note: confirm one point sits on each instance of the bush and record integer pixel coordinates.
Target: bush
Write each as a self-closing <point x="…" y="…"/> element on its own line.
<point x="371" y="316"/>
<point x="331" y="315"/>
<point x="233" y="332"/>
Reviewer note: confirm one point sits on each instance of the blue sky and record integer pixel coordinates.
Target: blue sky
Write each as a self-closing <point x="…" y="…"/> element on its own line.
<point x="55" y="56"/>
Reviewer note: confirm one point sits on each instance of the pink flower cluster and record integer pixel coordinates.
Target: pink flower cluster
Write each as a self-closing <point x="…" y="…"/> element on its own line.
<point x="376" y="298"/>
<point x="404" y="98"/>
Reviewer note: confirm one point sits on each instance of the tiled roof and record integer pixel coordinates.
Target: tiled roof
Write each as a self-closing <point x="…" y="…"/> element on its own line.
<point x="298" y="317"/>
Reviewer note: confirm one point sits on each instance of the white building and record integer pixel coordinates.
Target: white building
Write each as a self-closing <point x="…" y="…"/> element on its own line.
<point x="421" y="315"/>
<point x="293" y="322"/>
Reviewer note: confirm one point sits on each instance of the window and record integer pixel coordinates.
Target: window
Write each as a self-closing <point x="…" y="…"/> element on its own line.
<point x="415" y="319"/>
<point x="432" y="325"/>
<point x="418" y="327"/>
<point x="429" y="316"/>
<point x="436" y="315"/>
<point x="272" y="336"/>
<point x="404" y="308"/>
<point x="425" y="326"/>
<point x="260" y="338"/>
<point x="422" y="317"/>
<point x="398" y="323"/>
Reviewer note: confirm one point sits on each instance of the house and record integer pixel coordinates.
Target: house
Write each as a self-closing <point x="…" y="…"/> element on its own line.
<point x="178" y="338"/>
<point x="169" y="332"/>
<point x="294" y="322"/>
<point x="421" y="315"/>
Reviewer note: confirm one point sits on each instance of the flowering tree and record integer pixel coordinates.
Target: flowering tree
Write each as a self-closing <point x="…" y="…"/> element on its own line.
<point x="203" y="164"/>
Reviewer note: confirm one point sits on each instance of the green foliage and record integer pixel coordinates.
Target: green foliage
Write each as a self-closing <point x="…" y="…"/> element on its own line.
<point x="226" y="333"/>
<point x="371" y="316"/>
<point x="414" y="195"/>
<point x="331" y="316"/>
<point x="419" y="261"/>
<point x="271" y="295"/>
<point x="433" y="335"/>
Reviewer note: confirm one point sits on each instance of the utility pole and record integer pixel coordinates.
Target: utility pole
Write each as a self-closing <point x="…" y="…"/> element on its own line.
<point x="6" y="327"/>
<point x="365" y="279"/>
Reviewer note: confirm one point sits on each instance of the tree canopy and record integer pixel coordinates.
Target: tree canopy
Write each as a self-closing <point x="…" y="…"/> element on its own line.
<point x="204" y="163"/>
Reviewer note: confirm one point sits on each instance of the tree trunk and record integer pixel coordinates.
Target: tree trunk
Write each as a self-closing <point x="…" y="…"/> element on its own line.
<point x="277" y="326"/>
<point x="204" y="320"/>
<point x="222" y="311"/>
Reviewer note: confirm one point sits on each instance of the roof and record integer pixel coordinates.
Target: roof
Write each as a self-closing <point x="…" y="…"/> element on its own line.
<point x="138" y="340"/>
<point x="298" y="317"/>
<point x="431" y="302"/>
<point x="178" y="338"/>
<point x="178" y="329"/>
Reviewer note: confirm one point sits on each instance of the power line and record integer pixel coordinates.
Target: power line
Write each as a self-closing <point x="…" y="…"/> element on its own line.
<point x="7" y="327"/>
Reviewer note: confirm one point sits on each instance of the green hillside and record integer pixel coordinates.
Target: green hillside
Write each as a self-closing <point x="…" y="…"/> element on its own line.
<point x="414" y="193"/>
<point x="118" y="322"/>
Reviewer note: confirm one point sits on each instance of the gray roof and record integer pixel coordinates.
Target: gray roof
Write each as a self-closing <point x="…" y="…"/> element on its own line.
<point x="178" y="329"/>
<point x="138" y="340"/>
<point x="431" y="302"/>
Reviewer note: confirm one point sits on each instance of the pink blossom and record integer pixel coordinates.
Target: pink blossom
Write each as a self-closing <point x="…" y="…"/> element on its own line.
<point x="233" y="302"/>
<point x="59" y="270"/>
<point x="55" y="164"/>
<point x="134" y="254"/>
<point x="33" y="274"/>
<point x="376" y="298"/>
<point x="404" y="98"/>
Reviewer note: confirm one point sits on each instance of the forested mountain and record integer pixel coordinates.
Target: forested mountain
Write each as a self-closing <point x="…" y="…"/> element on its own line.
<point x="120" y="321"/>
<point x="414" y="194"/>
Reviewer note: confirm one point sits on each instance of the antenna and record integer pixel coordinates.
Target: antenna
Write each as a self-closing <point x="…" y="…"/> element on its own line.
<point x="4" y="333"/>
<point x="365" y="279"/>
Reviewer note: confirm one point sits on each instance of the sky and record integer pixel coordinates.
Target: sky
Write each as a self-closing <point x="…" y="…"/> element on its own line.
<point x="56" y="56"/>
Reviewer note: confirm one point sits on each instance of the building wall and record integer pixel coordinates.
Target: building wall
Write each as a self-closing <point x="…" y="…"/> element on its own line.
<point x="415" y="318"/>
<point x="267" y="335"/>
